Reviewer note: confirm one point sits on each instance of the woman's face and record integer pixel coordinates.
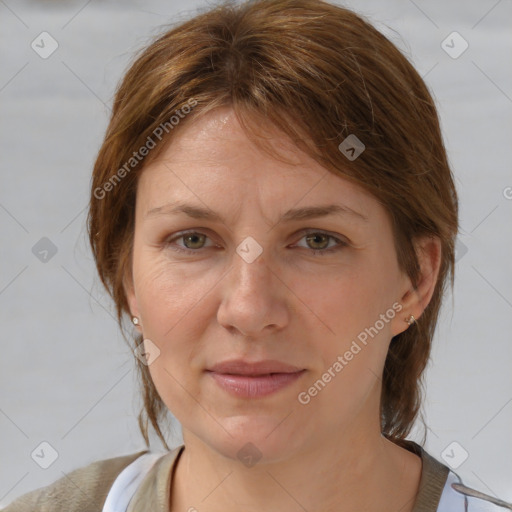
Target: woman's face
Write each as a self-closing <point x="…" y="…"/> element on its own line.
<point x="320" y="293"/>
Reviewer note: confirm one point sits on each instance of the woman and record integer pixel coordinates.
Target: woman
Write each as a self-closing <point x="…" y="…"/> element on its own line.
<point x="273" y="207"/>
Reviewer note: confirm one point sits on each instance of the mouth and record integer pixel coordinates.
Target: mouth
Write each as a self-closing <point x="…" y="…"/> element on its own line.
<point x="254" y="380"/>
<point x="256" y="368"/>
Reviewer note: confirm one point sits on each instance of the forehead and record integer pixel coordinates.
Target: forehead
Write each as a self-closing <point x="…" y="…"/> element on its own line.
<point x="213" y="161"/>
<point x="218" y="137"/>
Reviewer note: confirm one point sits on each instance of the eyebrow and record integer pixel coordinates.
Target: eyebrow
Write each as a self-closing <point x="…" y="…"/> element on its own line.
<point x="304" y="213"/>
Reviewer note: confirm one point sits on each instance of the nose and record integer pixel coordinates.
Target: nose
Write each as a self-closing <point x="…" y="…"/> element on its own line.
<point x="254" y="298"/>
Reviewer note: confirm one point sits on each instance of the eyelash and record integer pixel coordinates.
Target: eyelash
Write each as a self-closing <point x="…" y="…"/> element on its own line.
<point x="315" y="252"/>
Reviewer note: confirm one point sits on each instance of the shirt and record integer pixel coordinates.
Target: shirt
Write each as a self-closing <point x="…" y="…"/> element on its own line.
<point x="142" y="482"/>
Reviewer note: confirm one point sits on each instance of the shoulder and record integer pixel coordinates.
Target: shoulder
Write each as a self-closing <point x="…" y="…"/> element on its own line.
<point x="84" y="489"/>
<point x="457" y="496"/>
<point x="442" y="490"/>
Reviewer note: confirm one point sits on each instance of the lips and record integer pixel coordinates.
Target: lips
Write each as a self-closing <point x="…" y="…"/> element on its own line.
<point x="242" y="367"/>
<point x="244" y="379"/>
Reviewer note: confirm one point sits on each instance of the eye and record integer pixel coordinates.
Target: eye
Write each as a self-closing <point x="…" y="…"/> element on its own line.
<point x="193" y="241"/>
<point x="318" y="243"/>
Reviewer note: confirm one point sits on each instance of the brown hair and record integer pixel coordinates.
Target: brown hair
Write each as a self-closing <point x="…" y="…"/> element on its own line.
<point x="318" y="72"/>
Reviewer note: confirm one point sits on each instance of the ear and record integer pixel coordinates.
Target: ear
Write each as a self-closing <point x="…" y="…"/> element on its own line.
<point x="415" y="300"/>
<point x="131" y="298"/>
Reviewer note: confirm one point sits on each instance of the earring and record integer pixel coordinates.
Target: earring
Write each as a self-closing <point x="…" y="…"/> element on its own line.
<point x="135" y="320"/>
<point x="410" y="320"/>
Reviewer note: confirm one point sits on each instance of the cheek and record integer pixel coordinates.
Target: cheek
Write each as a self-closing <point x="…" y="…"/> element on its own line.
<point x="173" y="302"/>
<point x="169" y="302"/>
<point x="351" y="352"/>
<point x="343" y="303"/>
<point x="167" y="293"/>
<point x="347" y="310"/>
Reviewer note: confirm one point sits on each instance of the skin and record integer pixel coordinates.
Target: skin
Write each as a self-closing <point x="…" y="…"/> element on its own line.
<point x="290" y="305"/>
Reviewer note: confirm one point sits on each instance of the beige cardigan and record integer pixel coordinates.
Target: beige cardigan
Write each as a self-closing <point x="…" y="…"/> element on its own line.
<point x="86" y="489"/>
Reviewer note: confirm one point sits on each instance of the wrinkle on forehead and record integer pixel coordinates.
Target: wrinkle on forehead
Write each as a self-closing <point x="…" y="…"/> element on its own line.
<point x="222" y="124"/>
<point x="215" y="162"/>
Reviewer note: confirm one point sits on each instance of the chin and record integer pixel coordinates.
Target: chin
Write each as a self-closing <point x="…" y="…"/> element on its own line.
<point x="256" y="439"/>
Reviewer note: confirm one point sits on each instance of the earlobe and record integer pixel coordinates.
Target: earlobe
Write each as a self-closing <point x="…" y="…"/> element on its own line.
<point x="415" y="299"/>
<point x="132" y="303"/>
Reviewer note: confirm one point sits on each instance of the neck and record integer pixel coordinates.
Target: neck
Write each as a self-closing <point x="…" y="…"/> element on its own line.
<point x="351" y="472"/>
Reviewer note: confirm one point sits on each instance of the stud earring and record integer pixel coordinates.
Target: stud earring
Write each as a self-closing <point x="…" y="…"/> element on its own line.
<point x="410" y="320"/>
<point x="135" y="320"/>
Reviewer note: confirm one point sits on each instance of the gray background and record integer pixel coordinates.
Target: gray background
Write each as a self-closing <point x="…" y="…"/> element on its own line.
<point x="66" y="375"/>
